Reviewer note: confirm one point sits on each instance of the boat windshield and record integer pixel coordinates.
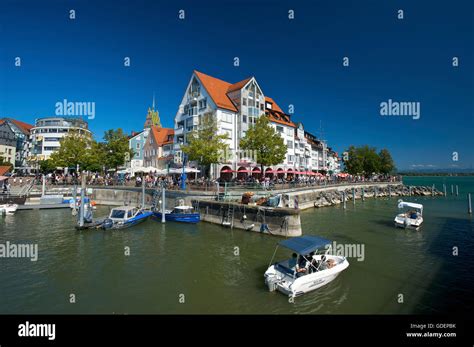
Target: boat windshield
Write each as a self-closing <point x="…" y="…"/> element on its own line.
<point x="117" y="214"/>
<point x="182" y="210"/>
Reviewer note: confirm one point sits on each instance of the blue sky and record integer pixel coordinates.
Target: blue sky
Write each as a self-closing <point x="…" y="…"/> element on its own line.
<point x="296" y="62"/>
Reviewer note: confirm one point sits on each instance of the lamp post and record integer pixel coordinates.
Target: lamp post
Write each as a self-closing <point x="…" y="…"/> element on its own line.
<point x="183" y="174"/>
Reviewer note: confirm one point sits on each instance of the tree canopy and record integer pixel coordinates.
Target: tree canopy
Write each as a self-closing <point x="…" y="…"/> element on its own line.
<point x="266" y="142"/>
<point x="365" y="160"/>
<point x="204" y="144"/>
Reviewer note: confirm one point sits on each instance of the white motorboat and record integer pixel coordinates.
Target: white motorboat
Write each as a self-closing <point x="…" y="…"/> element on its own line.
<point x="314" y="268"/>
<point x="8" y="208"/>
<point x="412" y="217"/>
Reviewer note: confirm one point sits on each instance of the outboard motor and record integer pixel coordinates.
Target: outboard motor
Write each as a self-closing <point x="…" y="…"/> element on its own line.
<point x="108" y="224"/>
<point x="272" y="283"/>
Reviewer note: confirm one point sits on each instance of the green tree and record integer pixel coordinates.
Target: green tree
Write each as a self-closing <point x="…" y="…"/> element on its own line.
<point x="365" y="160"/>
<point x="387" y="165"/>
<point x="116" y="149"/>
<point x="72" y="152"/>
<point x="205" y="145"/>
<point x="46" y="166"/>
<point x="266" y="142"/>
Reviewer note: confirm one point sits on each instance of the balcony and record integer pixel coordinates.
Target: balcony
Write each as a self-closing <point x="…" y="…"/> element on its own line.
<point x="179" y="131"/>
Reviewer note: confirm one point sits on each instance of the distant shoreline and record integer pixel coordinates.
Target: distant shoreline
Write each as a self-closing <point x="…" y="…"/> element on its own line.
<point x="445" y="174"/>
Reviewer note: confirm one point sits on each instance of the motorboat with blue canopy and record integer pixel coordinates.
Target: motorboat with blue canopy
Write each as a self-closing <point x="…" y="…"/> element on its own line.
<point x="310" y="267"/>
<point x="412" y="217"/>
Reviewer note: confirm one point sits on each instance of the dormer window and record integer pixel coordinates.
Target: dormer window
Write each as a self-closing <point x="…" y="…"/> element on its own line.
<point x="268" y="105"/>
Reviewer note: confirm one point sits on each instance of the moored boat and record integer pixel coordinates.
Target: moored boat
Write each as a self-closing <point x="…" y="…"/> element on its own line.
<point x="8" y="208"/>
<point x="184" y="214"/>
<point x="125" y="216"/>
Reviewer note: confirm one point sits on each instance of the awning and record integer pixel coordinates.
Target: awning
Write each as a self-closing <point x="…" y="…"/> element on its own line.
<point x="403" y="204"/>
<point x="305" y="244"/>
<point x="227" y="171"/>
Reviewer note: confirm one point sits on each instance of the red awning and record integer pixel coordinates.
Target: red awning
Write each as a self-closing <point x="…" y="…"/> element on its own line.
<point x="226" y="171"/>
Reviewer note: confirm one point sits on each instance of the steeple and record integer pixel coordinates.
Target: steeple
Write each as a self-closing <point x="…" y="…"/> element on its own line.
<point x="153" y="116"/>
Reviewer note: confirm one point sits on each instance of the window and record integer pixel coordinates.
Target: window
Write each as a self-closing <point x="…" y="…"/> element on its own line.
<point x="279" y="128"/>
<point x="290" y="144"/>
<point x="244" y="119"/>
<point x="289" y="131"/>
<point x="244" y="101"/>
<point x="269" y="106"/>
<point x="261" y="107"/>
<point x="226" y="117"/>
<point x="202" y="103"/>
<point x="138" y="145"/>
<point x="291" y="158"/>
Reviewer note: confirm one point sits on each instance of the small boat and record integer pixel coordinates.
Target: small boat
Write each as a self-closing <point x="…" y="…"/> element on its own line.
<point x="8" y="208"/>
<point x="314" y="268"/>
<point x="183" y="213"/>
<point x="411" y="218"/>
<point x="124" y="217"/>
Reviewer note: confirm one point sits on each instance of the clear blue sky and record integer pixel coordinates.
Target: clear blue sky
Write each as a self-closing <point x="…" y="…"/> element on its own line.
<point x="296" y="62"/>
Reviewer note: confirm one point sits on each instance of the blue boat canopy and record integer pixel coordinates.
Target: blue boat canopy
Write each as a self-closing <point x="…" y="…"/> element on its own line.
<point x="305" y="244"/>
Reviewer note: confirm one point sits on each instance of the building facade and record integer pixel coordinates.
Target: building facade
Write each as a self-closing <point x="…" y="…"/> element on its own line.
<point x="22" y="133"/>
<point x="236" y="107"/>
<point x="48" y="132"/>
<point x="158" y="149"/>
<point x="7" y="144"/>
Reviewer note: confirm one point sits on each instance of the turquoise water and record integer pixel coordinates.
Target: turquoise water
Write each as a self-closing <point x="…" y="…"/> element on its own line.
<point x="176" y="268"/>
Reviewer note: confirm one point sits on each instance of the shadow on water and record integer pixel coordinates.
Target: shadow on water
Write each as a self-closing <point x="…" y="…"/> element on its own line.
<point x="452" y="285"/>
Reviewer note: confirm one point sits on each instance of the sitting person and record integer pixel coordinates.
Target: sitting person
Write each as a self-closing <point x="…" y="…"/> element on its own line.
<point x="292" y="262"/>
<point x="302" y="265"/>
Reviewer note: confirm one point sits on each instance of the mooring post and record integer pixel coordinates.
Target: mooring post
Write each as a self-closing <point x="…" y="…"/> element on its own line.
<point x="143" y="193"/>
<point x="432" y="190"/>
<point x="43" y="187"/>
<point x="469" y="205"/>
<point x="344" y="199"/>
<point x="452" y="189"/>
<point x="354" y="196"/>
<point x="376" y="191"/>
<point x="444" y="189"/>
<point x="457" y="190"/>
<point x="83" y="193"/>
<point x="409" y="191"/>
<point x="363" y="194"/>
<point x="389" y="191"/>
<point x="163" y="197"/>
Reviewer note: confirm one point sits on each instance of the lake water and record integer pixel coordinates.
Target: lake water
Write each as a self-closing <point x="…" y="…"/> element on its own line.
<point x="178" y="268"/>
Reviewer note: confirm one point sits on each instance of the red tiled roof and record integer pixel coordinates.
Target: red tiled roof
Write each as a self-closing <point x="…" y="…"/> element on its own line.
<point x="217" y="90"/>
<point x="280" y="118"/>
<point x="25" y="127"/>
<point x="161" y="135"/>
<point x="4" y="169"/>
<point x="238" y="85"/>
<point x="274" y="104"/>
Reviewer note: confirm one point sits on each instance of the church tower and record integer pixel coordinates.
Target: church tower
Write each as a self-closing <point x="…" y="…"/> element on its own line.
<point x="152" y="117"/>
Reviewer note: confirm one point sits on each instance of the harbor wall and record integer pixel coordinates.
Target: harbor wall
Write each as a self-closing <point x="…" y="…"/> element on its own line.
<point x="267" y="220"/>
<point x="322" y="197"/>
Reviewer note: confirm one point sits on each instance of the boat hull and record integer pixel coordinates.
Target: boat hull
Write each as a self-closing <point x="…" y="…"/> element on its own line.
<point x="407" y="223"/>
<point x="192" y="218"/>
<point x="128" y="223"/>
<point x="292" y="285"/>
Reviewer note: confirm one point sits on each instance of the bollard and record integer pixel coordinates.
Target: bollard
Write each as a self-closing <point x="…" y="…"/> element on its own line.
<point x="163" y="203"/>
<point x="452" y="189"/>
<point x="457" y="190"/>
<point x="353" y="196"/>
<point x="389" y="191"/>
<point x="363" y="194"/>
<point x="469" y="205"/>
<point x="344" y="199"/>
<point x="444" y="189"/>
<point x="432" y="190"/>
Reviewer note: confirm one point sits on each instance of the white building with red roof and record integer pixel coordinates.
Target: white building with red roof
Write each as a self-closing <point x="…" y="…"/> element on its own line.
<point x="236" y="107"/>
